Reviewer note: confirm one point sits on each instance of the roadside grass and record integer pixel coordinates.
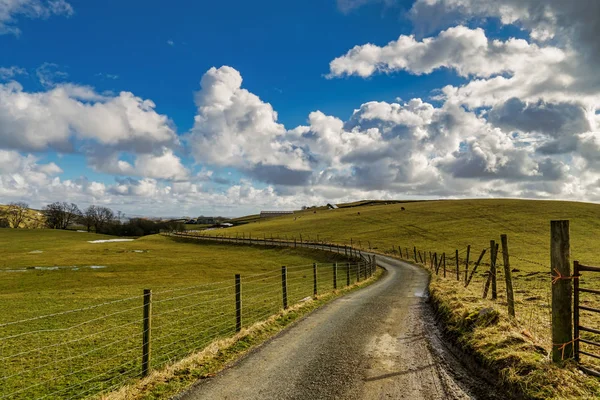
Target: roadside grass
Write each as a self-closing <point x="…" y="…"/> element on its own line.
<point x="99" y="348"/>
<point x="443" y="226"/>
<point x="482" y="328"/>
<point x="181" y="375"/>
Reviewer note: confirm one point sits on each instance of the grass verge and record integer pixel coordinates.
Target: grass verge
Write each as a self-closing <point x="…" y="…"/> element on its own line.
<point x="177" y="377"/>
<point x="499" y="343"/>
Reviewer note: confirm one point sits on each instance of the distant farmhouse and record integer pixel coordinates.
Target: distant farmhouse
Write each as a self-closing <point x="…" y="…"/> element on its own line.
<point x="271" y="214"/>
<point x="332" y="206"/>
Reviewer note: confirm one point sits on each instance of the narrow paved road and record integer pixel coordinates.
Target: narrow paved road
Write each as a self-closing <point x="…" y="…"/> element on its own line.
<point x="376" y="343"/>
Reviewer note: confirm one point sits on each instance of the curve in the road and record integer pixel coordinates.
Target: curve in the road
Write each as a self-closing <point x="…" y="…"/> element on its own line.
<point x="380" y="342"/>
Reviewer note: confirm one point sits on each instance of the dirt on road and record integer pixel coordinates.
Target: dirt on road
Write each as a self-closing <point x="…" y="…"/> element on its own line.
<point x="380" y="342"/>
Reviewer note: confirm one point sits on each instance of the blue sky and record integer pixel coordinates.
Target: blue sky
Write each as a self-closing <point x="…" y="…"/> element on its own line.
<point x="285" y="52"/>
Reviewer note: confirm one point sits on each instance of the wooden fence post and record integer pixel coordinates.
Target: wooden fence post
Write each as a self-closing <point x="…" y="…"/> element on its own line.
<point x="493" y="270"/>
<point x="238" y="303"/>
<point x="475" y="267"/>
<point x="415" y="249"/>
<point x="467" y="264"/>
<point x="347" y="274"/>
<point x="284" y="287"/>
<point x="560" y="268"/>
<point x="435" y="262"/>
<point x="576" y="310"/>
<point x="146" y="334"/>
<point x="444" y="257"/>
<point x="508" y="277"/>
<point x="457" y="265"/>
<point x="315" y="286"/>
<point x="374" y="266"/>
<point x="335" y="276"/>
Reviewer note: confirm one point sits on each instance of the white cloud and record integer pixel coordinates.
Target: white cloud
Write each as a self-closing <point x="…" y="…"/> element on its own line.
<point x="467" y="51"/>
<point x="7" y="73"/>
<point x="55" y="118"/>
<point x="11" y="10"/>
<point x="236" y="128"/>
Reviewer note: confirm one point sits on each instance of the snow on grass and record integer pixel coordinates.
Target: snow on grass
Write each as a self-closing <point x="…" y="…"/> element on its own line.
<point x="111" y="240"/>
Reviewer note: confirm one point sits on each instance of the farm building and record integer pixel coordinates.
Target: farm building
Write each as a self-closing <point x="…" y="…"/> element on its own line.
<point x="332" y="206"/>
<point x="271" y="214"/>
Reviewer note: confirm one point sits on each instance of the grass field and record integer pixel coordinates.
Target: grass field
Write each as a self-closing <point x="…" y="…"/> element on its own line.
<point x="73" y="354"/>
<point x="443" y="226"/>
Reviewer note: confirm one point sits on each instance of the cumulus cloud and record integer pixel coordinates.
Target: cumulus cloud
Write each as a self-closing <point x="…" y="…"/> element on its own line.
<point x="234" y="127"/>
<point x="11" y="10"/>
<point x="54" y="119"/>
<point x="467" y="51"/>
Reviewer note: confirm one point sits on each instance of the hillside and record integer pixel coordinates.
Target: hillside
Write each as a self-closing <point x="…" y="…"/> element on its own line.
<point x="443" y="226"/>
<point x="33" y="218"/>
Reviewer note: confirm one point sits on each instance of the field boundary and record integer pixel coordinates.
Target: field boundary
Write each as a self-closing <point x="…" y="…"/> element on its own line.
<point x="97" y="349"/>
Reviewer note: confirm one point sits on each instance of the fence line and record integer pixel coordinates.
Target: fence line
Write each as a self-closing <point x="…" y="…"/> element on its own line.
<point x="91" y="350"/>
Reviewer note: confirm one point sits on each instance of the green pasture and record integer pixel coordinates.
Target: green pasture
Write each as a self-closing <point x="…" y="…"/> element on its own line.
<point x="96" y="349"/>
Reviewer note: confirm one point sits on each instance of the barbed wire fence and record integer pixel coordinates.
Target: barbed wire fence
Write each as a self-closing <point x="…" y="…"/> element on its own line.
<point x="97" y="349"/>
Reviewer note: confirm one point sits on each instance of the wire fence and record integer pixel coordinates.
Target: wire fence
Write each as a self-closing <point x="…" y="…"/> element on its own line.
<point x="88" y="351"/>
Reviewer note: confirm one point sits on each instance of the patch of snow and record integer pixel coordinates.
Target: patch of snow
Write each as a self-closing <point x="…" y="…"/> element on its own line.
<point x="46" y="268"/>
<point x="111" y="240"/>
<point x="81" y="231"/>
<point x="36" y="252"/>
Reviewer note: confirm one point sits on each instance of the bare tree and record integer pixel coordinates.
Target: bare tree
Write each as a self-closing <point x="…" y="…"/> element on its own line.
<point x="72" y="214"/>
<point x="88" y="217"/>
<point x="98" y="217"/>
<point x="61" y="215"/>
<point x="16" y="213"/>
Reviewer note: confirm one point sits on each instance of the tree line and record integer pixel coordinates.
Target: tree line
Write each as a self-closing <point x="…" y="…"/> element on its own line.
<point x="99" y="219"/>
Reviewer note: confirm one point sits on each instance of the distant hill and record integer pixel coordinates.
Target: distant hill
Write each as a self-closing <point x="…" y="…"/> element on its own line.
<point x="34" y="219"/>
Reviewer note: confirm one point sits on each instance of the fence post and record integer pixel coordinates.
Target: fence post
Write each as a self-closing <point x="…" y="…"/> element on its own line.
<point x="284" y="287"/>
<point x="475" y="267"/>
<point x="508" y="277"/>
<point x="334" y="276"/>
<point x="238" y="303"/>
<point x="576" y="310"/>
<point x="493" y="270"/>
<point x="315" y="287"/>
<point x="560" y="268"/>
<point x="415" y="249"/>
<point x="347" y="274"/>
<point x="457" y="265"/>
<point x="467" y="265"/>
<point x="444" y="257"/>
<point x="146" y="334"/>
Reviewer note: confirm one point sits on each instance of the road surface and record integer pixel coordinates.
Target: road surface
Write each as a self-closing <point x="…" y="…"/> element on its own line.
<point x="380" y="342"/>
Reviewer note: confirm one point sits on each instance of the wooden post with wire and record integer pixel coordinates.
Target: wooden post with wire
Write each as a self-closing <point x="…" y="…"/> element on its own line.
<point x="315" y="286"/>
<point x="467" y="264"/>
<point x="284" y="287"/>
<point x="576" y="274"/>
<point x="562" y="291"/>
<point x="347" y="274"/>
<point x="146" y="334"/>
<point x="334" y="276"/>
<point x="493" y="270"/>
<point x="475" y="267"/>
<point x="444" y="258"/>
<point x="457" y="265"/>
<point x="238" y="303"/>
<point x="510" y="298"/>
<point x="415" y="249"/>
